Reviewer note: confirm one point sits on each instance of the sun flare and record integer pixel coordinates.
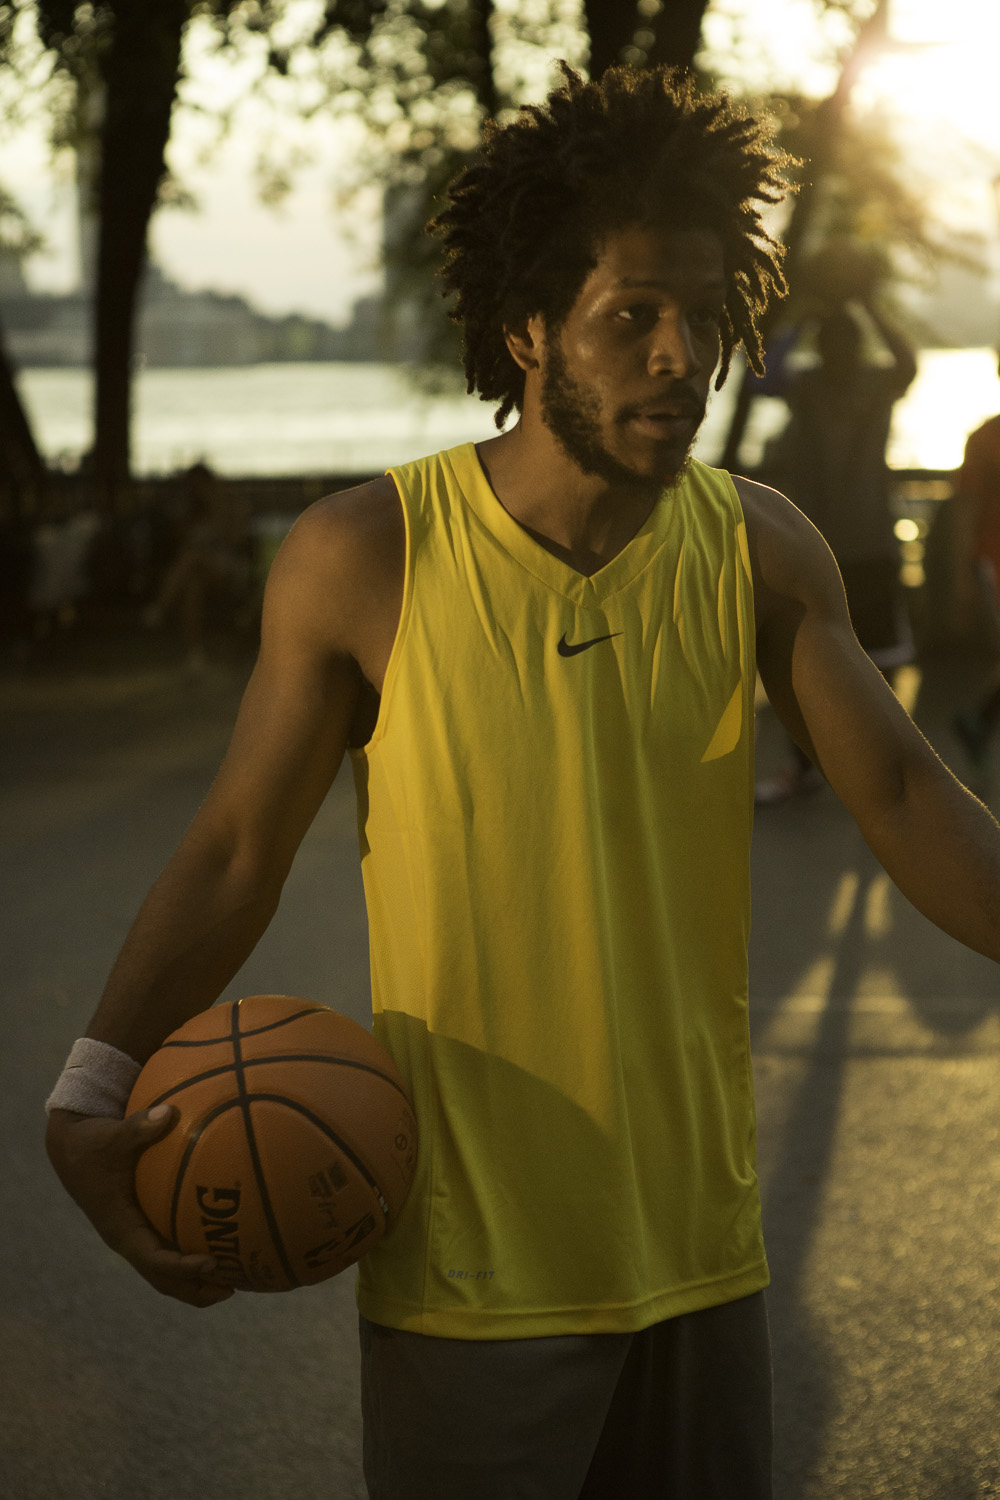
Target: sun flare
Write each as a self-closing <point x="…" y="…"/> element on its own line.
<point x="944" y="67"/>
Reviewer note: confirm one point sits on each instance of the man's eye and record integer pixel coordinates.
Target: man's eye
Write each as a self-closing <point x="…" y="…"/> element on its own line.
<point x="640" y="312"/>
<point x="705" y="317"/>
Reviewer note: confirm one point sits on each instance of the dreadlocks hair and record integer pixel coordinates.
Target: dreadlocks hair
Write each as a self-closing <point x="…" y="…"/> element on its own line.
<point x="522" y="225"/>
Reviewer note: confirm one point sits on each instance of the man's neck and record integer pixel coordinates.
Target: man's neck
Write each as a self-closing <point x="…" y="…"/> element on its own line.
<point x="582" y="519"/>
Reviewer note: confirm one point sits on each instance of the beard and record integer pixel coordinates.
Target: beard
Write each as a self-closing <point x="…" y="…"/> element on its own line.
<point x="573" y="416"/>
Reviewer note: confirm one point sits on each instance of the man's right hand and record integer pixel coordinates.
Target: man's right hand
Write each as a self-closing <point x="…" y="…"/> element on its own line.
<point x="95" y="1160"/>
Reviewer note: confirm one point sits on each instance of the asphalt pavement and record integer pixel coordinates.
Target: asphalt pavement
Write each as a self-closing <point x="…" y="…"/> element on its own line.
<point x="875" y="1050"/>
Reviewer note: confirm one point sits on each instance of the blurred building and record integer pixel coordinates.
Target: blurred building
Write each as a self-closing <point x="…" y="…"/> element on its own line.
<point x="179" y="328"/>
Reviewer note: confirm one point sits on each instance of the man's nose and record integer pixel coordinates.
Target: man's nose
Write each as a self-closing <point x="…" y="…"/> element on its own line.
<point x="673" y="351"/>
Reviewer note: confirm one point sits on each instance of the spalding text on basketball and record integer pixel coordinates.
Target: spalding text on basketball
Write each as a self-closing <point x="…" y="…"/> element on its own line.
<point x="221" y="1227"/>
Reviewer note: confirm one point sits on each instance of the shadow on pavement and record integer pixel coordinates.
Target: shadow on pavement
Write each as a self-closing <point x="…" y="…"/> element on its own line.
<point x="843" y="970"/>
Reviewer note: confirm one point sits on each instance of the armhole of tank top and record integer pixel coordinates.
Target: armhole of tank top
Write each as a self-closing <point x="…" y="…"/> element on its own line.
<point x="743" y="547"/>
<point x="360" y="752"/>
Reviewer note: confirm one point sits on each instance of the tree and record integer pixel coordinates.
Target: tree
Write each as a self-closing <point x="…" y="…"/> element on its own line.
<point x="425" y="58"/>
<point x="128" y="53"/>
<point x="643" y="33"/>
<point x="22" y="473"/>
<point x="820" y="142"/>
<point x="135" y="53"/>
<point x="127" y="56"/>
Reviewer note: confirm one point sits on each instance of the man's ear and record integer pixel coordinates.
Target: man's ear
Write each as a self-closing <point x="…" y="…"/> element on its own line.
<point x="526" y="341"/>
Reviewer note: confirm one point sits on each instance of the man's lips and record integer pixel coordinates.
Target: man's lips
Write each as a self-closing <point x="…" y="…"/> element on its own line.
<point x="666" y="422"/>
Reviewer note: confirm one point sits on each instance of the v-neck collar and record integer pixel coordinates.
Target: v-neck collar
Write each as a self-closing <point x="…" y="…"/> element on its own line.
<point x="544" y="565"/>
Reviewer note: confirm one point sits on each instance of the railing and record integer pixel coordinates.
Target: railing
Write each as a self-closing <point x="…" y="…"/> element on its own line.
<point x="269" y="505"/>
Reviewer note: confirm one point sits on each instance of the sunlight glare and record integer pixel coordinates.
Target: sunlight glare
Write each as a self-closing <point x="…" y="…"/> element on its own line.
<point x="946" y="68"/>
<point x="956" y="391"/>
<point x="930" y="21"/>
<point x="878" y="911"/>
<point x="842" y="905"/>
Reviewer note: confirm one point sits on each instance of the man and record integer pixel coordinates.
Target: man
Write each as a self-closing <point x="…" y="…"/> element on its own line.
<point x="541" y="655"/>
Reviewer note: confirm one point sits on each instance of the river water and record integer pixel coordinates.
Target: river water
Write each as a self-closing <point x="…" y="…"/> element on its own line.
<point x="359" y="418"/>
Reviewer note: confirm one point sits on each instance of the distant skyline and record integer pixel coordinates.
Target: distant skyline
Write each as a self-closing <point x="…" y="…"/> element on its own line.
<point x="297" y="258"/>
<point x="306" y="256"/>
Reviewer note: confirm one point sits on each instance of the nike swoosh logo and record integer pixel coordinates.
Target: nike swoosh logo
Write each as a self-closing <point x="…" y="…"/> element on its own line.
<point x="565" y="649"/>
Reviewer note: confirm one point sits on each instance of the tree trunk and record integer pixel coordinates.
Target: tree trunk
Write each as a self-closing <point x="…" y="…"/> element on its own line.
<point x="610" y="26"/>
<point x="676" y="30"/>
<point x="480" y="15"/>
<point x="618" y="32"/>
<point x="140" y="71"/>
<point x="826" y="135"/>
<point x="22" y="472"/>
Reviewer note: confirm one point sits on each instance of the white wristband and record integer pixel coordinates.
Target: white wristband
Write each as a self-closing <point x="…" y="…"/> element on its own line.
<point x="96" y="1080"/>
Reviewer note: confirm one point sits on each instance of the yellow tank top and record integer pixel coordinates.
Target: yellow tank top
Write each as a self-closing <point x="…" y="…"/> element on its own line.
<point x="555" y="812"/>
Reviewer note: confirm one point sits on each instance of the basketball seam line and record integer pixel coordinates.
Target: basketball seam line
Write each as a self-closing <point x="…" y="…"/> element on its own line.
<point x="277" y="1057"/>
<point x="327" y="1130"/>
<point x="254" y="1031"/>
<point x="258" y="1170"/>
<point x="321" y="1125"/>
<point x="185" y="1160"/>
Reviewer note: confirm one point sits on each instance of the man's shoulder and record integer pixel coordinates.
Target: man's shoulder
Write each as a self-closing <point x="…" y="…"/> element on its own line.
<point x="787" y="553"/>
<point x="354" y="516"/>
<point x="338" y="577"/>
<point x="762" y="504"/>
<point x="371" y="515"/>
<point x="348" y="529"/>
<point x="345" y="549"/>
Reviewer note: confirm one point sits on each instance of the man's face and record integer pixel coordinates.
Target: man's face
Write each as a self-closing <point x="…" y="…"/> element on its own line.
<point x="625" y="379"/>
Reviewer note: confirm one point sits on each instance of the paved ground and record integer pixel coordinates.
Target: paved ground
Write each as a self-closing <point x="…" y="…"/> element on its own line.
<point x="875" y="1047"/>
<point x="876" y="1043"/>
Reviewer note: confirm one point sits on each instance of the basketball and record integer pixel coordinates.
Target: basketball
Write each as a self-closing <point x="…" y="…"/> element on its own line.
<point x="295" y="1147"/>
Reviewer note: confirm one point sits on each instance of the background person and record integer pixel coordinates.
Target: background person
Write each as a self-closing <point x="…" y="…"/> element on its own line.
<point x="830" y="460"/>
<point x="60" y="579"/>
<point x="212" y="566"/>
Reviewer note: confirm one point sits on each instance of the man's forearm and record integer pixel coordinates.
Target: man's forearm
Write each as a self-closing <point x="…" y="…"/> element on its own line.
<point x="196" y="928"/>
<point x="941" y="846"/>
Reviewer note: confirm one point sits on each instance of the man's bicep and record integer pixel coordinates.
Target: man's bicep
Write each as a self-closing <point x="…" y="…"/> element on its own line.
<point x="826" y="690"/>
<point x="295" y="719"/>
<point x="287" y="746"/>
<point x="803" y="625"/>
<point x="795" y="578"/>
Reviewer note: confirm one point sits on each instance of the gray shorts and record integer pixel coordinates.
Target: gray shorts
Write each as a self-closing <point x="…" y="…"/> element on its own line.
<point x="680" y="1411"/>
